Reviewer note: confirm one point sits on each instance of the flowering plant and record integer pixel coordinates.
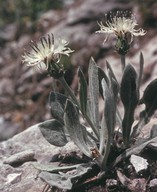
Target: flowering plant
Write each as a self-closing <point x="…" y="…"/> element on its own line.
<point x="101" y="137"/>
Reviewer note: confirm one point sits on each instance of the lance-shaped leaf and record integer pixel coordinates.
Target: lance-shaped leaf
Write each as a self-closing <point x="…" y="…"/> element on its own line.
<point x="101" y="76"/>
<point x="108" y="122"/>
<point x="65" y="180"/>
<point x="129" y="99"/>
<point x="82" y="91"/>
<point x="57" y="103"/>
<point x="136" y="149"/>
<point x="140" y="72"/>
<point x="94" y="92"/>
<point x="53" y="131"/>
<point x="150" y="98"/>
<point x="115" y="89"/>
<point x="74" y="128"/>
<point x="111" y="73"/>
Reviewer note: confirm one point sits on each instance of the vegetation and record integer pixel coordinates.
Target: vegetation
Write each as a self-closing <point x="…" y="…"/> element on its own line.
<point x="25" y="10"/>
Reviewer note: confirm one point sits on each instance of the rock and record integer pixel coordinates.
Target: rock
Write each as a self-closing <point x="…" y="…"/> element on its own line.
<point x="139" y="163"/>
<point x="21" y="157"/>
<point x="88" y="10"/>
<point x="21" y="150"/>
<point x="8" y="129"/>
<point x="153" y="185"/>
<point x="6" y="87"/>
<point x="9" y="32"/>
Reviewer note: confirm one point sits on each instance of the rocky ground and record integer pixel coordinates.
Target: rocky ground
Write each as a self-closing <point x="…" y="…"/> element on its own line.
<point x="24" y="94"/>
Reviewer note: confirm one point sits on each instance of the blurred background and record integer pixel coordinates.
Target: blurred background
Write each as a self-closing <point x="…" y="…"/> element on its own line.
<point x="23" y="93"/>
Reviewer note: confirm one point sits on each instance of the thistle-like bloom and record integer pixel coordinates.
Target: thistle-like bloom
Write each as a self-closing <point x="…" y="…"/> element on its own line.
<point x="120" y="25"/>
<point x="46" y="52"/>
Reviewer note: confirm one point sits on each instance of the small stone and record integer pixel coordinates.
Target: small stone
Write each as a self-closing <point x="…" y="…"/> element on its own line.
<point x="13" y="178"/>
<point x="153" y="183"/>
<point x="139" y="163"/>
<point x="20" y="157"/>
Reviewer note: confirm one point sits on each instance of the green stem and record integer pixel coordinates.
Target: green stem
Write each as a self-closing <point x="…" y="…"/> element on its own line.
<point x="68" y="89"/>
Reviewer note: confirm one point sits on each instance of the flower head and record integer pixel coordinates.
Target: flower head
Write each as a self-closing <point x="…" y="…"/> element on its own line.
<point x="120" y="24"/>
<point x="122" y="27"/>
<point x="46" y="52"/>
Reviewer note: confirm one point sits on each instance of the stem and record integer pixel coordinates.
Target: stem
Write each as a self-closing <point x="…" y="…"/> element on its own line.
<point x="68" y="89"/>
<point x="122" y="57"/>
<point x="105" y="156"/>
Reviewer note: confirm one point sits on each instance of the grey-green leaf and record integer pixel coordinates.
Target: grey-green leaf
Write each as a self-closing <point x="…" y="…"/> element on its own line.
<point x="56" y="180"/>
<point x="57" y="103"/>
<point x="140" y="72"/>
<point x="102" y="75"/>
<point x="53" y="168"/>
<point x="129" y="99"/>
<point x="82" y="91"/>
<point x="150" y="97"/>
<point x="74" y="128"/>
<point x="65" y="180"/>
<point x="53" y="131"/>
<point x="108" y="123"/>
<point x="135" y="149"/>
<point x="94" y="92"/>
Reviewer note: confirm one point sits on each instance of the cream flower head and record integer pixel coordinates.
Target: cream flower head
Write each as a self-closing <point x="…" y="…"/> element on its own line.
<point x="120" y="25"/>
<point x="46" y="52"/>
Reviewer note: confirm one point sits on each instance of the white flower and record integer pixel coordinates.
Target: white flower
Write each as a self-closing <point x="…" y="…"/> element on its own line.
<point x="45" y="52"/>
<point x="120" y="25"/>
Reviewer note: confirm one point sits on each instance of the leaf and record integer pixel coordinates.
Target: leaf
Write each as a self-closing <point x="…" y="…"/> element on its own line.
<point x="140" y="72"/>
<point x="53" y="168"/>
<point x="56" y="180"/>
<point x="129" y="99"/>
<point x="65" y="180"/>
<point x="57" y="103"/>
<point x="134" y="150"/>
<point x="107" y="128"/>
<point x="53" y="131"/>
<point x="102" y="75"/>
<point x="112" y="75"/>
<point x="94" y="92"/>
<point x="150" y="98"/>
<point x="74" y="128"/>
<point x="83" y="91"/>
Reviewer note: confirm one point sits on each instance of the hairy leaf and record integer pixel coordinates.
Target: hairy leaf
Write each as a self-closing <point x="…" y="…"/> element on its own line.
<point x="112" y="75"/>
<point x="56" y="180"/>
<point x="65" y="180"/>
<point x="57" y="103"/>
<point x="53" y="131"/>
<point x="136" y="149"/>
<point x="129" y="99"/>
<point x="140" y="72"/>
<point x="94" y="92"/>
<point x="150" y="98"/>
<point x="102" y="75"/>
<point x="74" y="128"/>
<point x="53" y="168"/>
<point x="83" y="91"/>
<point x="108" y="123"/>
